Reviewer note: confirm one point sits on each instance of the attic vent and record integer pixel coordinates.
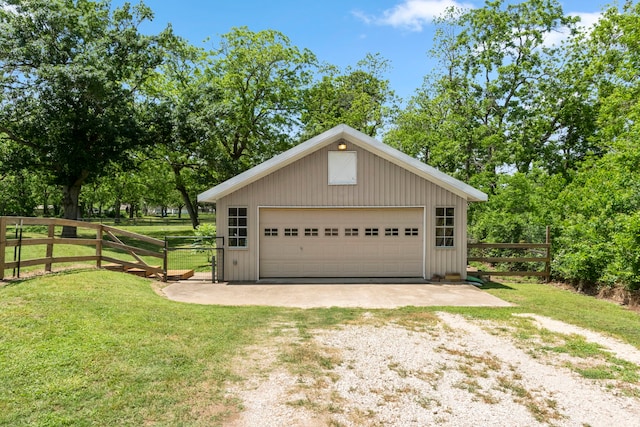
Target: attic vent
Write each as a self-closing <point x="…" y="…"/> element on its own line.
<point x="342" y="167"/>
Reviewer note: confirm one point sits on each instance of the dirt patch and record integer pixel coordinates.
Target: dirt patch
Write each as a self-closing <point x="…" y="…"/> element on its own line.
<point x="444" y="370"/>
<point x="621" y="296"/>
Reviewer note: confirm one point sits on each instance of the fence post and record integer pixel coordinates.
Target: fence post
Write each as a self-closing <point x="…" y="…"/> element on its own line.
<point x="99" y="236"/>
<point x="548" y="262"/>
<point x="51" y="234"/>
<point x="3" y="244"/>
<point x="19" y="247"/>
<point x="165" y="263"/>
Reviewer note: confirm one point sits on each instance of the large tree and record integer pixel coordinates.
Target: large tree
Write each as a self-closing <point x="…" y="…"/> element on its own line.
<point x="599" y="211"/>
<point x="183" y="110"/>
<point x="70" y="71"/>
<point x="360" y="97"/>
<point x="260" y="77"/>
<point x="503" y="97"/>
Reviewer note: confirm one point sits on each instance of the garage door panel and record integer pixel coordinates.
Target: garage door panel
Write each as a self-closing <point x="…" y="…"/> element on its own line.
<point x="342" y="255"/>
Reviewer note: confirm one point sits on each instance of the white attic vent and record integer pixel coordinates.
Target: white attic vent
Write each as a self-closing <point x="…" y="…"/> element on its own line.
<point x="342" y="168"/>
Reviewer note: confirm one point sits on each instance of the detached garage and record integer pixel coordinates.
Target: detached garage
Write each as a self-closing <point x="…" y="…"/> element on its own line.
<point x="342" y="204"/>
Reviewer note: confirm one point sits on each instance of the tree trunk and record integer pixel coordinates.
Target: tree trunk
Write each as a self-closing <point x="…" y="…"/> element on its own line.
<point x="45" y="203"/>
<point x="193" y="212"/>
<point x="116" y="210"/>
<point x="191" y="208"/>
<point x="70" y="197"/>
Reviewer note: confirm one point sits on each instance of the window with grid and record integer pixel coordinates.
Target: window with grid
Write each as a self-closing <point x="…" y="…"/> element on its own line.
<point x="370" y="231"/>
<point x="290" y="232"/>
<point x="331" y="232"/>
<point x="445" y="219"/>
<point x="410" y="231"/>
<point x="390" y="231"/>
<point x="271" y="232"/>
<point x="351" y="232"/>
<point x="310" y="232"/>
<point x="237" y="228"/>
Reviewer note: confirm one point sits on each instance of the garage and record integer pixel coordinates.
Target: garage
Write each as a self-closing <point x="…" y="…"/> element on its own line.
<point x="341" y="242"/>
<point x="341" y="205"/>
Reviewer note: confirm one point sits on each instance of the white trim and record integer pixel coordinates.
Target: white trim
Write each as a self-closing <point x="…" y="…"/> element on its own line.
<point x="424" y="243"/>
<point x="424" y="229"/>
<point x="456" y="231"/>
<point x="357" y="138"/>
<point x="245" y="247"/>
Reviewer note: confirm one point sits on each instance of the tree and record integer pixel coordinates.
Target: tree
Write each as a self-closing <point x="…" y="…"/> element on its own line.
<point x="360" y="97"/>
<point x="599" y="211"/>
<point x="180" y="116"/>
<point x="70" y="75"/>
<point x="500" y="100"/>
<point x="261" y="78"/>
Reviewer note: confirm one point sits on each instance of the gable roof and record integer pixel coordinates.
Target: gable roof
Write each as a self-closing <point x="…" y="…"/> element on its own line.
<point x="355" y="137"/>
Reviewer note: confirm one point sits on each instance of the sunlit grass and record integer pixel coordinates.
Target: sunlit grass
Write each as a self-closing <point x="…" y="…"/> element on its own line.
<point x="101" y="348"/>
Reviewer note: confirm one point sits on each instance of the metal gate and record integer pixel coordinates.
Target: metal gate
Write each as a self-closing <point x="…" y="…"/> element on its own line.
<point x="201" y="257"/>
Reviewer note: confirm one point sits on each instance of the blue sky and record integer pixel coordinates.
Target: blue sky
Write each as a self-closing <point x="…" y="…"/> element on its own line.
<point x="339" y="32"/>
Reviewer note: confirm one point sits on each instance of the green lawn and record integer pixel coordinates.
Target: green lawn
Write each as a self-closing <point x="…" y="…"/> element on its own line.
<point x="102" y="348"/>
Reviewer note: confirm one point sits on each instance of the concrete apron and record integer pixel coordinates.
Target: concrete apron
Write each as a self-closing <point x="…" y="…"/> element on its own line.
<point x="322" y="295"/>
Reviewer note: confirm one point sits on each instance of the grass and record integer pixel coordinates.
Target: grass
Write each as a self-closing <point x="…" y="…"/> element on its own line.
<point x="101" y="348"/>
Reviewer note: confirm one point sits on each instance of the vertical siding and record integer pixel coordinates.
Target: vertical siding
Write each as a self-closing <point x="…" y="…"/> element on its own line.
<point x="379" y="183"/>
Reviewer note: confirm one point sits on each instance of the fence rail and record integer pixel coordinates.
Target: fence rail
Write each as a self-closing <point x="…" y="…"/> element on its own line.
<point x="108" y="244"/>
<point x="543" y="250"/>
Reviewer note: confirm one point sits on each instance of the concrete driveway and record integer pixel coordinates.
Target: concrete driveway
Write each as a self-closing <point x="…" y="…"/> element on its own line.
<point x="318" y="295"/>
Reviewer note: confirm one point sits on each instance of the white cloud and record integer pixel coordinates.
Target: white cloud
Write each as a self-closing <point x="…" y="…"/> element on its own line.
<point x="411" y="14"/>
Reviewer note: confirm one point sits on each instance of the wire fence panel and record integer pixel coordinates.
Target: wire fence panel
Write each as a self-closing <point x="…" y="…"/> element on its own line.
<point x="199" y="253"/>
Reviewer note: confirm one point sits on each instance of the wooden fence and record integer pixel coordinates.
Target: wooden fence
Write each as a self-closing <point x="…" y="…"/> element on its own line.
<point x="542" y="252"/>
<point x="107" y="241"/>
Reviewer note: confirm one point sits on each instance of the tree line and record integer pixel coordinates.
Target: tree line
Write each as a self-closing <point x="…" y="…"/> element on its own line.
<point x="94" y="114"/>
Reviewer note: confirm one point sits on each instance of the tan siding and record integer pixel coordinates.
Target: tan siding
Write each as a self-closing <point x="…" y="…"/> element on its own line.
<point x="379" y="183"/>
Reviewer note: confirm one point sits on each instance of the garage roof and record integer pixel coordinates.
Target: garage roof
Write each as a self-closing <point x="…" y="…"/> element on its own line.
<point x="355" y="137"/>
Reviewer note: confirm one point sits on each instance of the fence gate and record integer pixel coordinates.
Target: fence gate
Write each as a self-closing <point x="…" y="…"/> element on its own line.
<point x="194" y="256"/>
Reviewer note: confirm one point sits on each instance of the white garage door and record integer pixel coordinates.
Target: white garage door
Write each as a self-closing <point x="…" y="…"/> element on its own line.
<point x="381" y="242"/>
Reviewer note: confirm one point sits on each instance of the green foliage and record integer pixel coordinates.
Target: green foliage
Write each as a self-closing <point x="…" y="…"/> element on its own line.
<point x="599" y="240"/>
<point x="360" y="97"/>
<point x="70" y="73"/>
<point x="18" y="194"/>
<point x="205" y="240"/>
<point x="599" y="211"/>
<point x="494" y="105"/>
<point x="518" y="211"/>
<point x="260" y="76"/>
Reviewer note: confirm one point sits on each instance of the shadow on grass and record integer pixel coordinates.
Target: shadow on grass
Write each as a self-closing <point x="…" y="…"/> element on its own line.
<point x="496" y="285"/>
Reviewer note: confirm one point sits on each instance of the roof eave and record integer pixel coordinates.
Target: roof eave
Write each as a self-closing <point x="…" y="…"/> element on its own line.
<point x="333" y="135"/>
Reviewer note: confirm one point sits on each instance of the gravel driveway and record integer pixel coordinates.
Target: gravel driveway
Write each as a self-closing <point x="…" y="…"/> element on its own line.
<point x="438" y="369"/>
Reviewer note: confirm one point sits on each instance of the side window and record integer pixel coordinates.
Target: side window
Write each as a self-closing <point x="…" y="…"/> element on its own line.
<point x="445" y="220"/>
<point x="237" y="228"/>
